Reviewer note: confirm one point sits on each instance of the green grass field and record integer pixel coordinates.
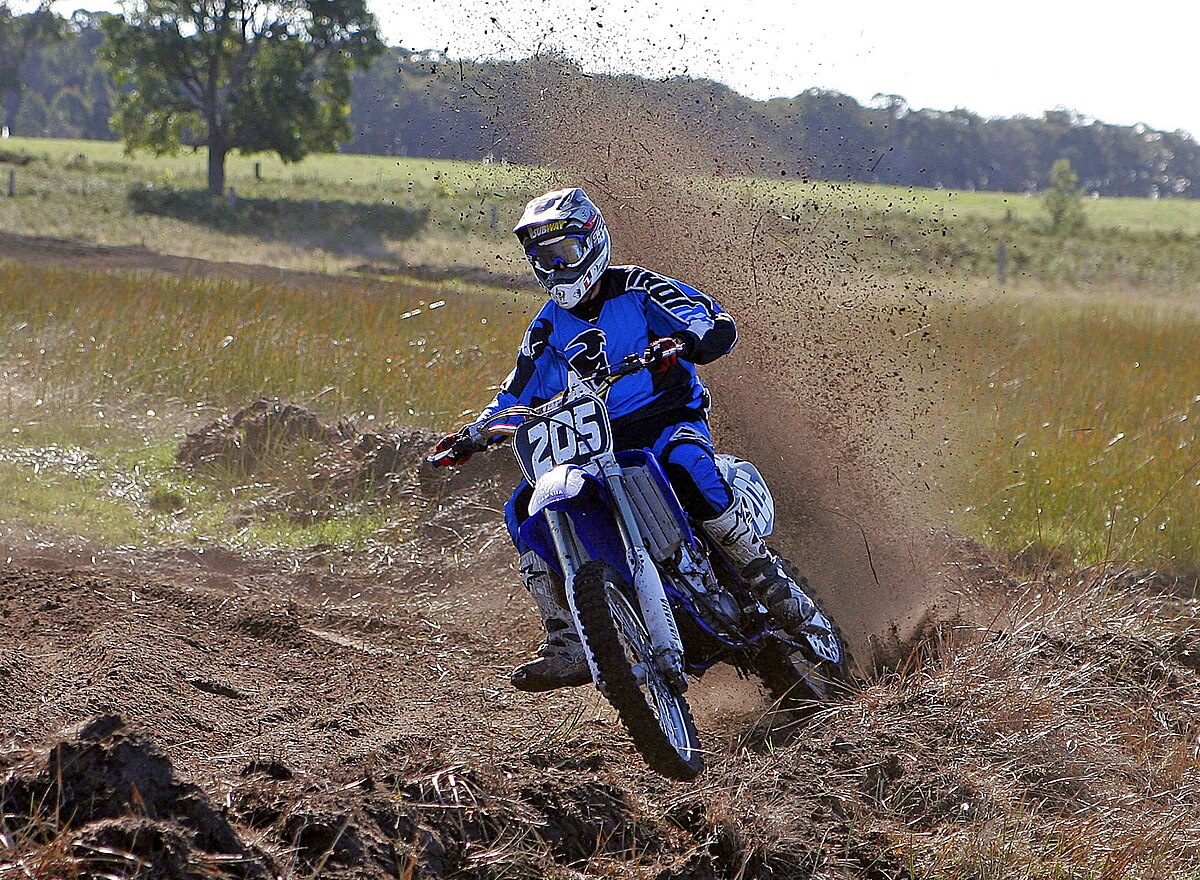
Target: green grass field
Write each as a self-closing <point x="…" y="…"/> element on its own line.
<point x="327" y="213"/>
<point x="346" y="212"/>
<point x="1075" y="400"/>
<point x="1127" y="214"/>
<point x="1082" y="433"/>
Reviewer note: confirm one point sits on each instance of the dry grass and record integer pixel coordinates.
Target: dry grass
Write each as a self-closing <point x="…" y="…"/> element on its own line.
<point x="413" y="352"/>
<point x="1081" y="423"/>
<point x="1059" y="740"/>
<point x="1074" y="738"/>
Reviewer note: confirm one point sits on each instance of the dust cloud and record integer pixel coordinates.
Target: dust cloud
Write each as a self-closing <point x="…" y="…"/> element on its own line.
<point x="831" y="390"/>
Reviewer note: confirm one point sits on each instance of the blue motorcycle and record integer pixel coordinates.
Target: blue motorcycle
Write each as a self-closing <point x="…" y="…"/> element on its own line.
<point x="653" y="598"/>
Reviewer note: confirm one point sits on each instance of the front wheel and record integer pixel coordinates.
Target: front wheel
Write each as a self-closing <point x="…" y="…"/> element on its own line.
<point x="657" y="717"/>
<point x="818" y="671"/>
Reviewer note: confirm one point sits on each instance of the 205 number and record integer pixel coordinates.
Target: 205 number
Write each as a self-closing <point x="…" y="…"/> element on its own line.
<point x="572" y="435"/>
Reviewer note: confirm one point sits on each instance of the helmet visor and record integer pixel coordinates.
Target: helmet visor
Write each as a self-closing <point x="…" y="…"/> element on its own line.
<point x="566" y="252"/>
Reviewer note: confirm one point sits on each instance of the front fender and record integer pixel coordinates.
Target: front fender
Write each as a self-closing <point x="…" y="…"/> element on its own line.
<point x="586" y="502"/>
<point x="558" y="486"/>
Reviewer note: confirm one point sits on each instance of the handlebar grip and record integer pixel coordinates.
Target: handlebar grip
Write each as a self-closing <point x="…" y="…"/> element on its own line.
<point x="461" y="450"/>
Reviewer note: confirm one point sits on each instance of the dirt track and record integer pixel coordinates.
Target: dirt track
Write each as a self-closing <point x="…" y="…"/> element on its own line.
<point x="340" y="717"/>
<point x="173" y="714"/>
<point x="77" y="255"/>
<point x="176" y="713"/>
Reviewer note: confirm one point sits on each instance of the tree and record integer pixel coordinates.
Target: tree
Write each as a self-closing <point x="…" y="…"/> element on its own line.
<point x="20" y="34"/>
<point x="1064" y="199"/>
<point x="250" y="75"/>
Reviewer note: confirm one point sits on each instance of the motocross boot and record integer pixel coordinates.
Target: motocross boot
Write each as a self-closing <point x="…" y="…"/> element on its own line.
<point x="561" y="661"/>
<point x="784" y="596"/>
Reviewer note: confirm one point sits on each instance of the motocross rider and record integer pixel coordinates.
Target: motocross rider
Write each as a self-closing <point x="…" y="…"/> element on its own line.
<point x="596" y="315"/>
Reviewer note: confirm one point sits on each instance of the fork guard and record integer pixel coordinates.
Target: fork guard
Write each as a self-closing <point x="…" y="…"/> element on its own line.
<point x="586" y="501"/>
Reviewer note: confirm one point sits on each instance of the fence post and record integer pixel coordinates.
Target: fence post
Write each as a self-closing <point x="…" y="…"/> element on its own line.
<point x="1001" y="260"/>
<point x="12" y="182"/>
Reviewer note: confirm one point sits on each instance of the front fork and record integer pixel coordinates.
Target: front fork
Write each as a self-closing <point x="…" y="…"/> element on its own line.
<point x="647" y="585"/>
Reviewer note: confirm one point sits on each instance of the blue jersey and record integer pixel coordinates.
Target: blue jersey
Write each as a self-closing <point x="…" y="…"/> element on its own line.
<point x="633" y="307"/>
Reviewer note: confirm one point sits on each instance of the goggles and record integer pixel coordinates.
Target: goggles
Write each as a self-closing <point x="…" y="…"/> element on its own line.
<point x="566" y="252"/>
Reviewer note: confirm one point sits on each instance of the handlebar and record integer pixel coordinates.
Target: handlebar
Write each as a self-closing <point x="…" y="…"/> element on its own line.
<point x="494" y="430"/>
<point x="634" y="363"/>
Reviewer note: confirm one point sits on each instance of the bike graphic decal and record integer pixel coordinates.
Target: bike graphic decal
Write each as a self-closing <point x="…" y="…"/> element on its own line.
<point x="749" y="485"/>
<point x="826" y="645"/>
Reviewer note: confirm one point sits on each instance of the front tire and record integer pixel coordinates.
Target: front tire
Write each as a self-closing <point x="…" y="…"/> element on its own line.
<point x="658" y="719"/>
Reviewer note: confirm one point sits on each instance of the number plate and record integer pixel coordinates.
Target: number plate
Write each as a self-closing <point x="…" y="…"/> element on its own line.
<point x="574" y="434"/>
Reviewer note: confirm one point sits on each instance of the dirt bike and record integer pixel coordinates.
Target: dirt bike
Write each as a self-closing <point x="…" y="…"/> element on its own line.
<point x="654" y="599"/>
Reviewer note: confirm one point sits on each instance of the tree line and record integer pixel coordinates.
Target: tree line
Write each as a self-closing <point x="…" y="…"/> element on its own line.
<point x="330" y="82"/>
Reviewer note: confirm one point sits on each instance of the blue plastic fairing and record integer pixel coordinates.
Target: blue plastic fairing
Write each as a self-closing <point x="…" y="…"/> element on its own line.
<point x="586" y="502"/>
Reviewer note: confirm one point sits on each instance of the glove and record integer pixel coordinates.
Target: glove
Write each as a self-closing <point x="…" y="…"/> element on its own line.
<point x="455" y="449"/>
<point x="656" y="357"/>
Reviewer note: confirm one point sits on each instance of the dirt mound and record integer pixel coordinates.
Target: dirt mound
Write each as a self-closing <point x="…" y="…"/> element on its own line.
<point x="315" y="468"/>
<point x="105" y="801"/>
<point x="266" y="429"/>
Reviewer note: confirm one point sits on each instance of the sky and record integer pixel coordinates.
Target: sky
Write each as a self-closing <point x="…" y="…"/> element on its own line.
<point x="1115" y="61"/>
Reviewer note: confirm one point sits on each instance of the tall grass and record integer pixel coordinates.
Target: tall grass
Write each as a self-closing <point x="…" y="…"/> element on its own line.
<point x="1083" y="429"/>
<point x="105" y="369"/>
<point x="416" y="353"/>
<point x="1078" y="422"/>
<point x="1065" y="743"/>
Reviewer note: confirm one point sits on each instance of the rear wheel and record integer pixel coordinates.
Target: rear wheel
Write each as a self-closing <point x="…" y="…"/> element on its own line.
<point x="655" y="714"/>
<point x="815" y="672"/>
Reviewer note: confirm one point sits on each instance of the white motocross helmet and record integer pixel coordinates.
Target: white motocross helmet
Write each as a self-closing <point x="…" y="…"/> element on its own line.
<point x="567" y="244"/>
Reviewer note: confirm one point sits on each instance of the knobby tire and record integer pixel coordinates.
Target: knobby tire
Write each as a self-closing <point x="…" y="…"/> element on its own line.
<point x="798" y="679"/>
<point x="618" y="682"/>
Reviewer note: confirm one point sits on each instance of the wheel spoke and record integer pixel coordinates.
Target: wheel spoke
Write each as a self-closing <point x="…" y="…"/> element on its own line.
<point x="662" y="698"/>
<point x="655" y="714"/>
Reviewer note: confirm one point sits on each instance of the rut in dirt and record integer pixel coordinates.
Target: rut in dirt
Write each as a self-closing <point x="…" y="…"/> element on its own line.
<point x="237" y="722"/>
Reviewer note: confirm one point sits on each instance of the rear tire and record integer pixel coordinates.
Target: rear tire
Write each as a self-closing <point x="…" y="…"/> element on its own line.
<point x="800" y="679"/>
<point x="658" y="719"/>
